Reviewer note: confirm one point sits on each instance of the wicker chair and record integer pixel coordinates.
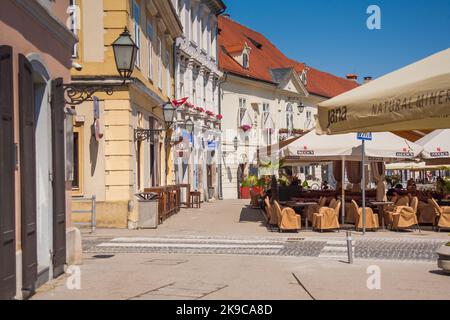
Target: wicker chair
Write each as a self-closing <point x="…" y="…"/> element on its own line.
<point x="327" y="218"/>
<point x="405" y="217"/>
<point x="371" y="218"/>
<point x="443" y="215"/>
<point x="288" y="220"/>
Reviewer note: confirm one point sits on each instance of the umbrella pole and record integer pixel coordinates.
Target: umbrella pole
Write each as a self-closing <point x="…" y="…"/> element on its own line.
<point x="343" y="190"/>
<point x="363" y="186"/>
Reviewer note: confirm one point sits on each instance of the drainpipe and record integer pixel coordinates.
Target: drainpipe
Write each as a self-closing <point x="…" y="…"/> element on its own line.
<point x="224" y="79"/>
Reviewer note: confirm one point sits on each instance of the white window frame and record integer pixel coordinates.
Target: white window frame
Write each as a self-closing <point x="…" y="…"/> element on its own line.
<point x="137" y="31"/>
<point x="150" y="36"/>
<point x="160" y="57"/>
<point x="74" y="16"/>
<point x="168" y="80"/>
<point x="245" y="60"/>
<point x="289" y="117"/>
<point x="242" y="110"/>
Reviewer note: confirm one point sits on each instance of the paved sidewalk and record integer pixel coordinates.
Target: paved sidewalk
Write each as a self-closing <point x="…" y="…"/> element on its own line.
<point x="233" y="218"/>
<point x="225" y="251"/>
<point x="175" y="276"/>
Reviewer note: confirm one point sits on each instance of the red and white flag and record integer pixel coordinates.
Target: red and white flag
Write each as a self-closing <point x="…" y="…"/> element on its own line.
<point x="179" y="103"/>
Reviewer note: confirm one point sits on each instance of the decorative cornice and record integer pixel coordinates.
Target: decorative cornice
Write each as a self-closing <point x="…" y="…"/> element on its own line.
<point x="48" y="21"/>
<point x="185" y="48"/>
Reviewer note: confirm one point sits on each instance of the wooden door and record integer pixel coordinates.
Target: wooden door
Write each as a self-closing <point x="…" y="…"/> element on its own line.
<point x="7" y="168"/>
<point x="27" y="175"/>
<point x="59" y="189"/>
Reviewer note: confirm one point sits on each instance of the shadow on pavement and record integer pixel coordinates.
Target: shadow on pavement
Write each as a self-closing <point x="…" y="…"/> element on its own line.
<point x="251" y="215"/>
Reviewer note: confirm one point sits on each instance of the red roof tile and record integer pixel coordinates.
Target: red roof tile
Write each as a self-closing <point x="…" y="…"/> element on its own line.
<point x="265" y="56"/>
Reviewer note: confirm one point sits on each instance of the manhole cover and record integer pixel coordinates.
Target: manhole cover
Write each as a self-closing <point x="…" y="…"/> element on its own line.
<point x="165" y="262"/>
<point x="103" y="256"/>
<point x="295" y="239"/>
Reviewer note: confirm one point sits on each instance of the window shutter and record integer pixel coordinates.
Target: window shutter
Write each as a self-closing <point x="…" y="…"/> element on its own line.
<point x="7" y="165"/>
<point x="27" y="174"/>
<point x="59" y="189"/>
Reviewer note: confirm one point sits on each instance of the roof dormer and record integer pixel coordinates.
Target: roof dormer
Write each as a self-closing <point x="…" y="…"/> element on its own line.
<point x="241" y="54"/>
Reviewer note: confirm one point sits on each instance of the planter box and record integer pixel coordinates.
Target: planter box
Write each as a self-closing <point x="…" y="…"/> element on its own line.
<point x="245" y="191"/>
<point x="444" y="258"/>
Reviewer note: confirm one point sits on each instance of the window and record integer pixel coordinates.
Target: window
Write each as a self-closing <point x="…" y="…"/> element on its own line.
<point x="168" y="78"/>
<point x="289" y="117"/>
<point x="242" y="110"/>
<point x="180" y="6"/>
<point x="303" y="77"/>
<point x="150" y="34"/>
<point x="137" y="31"/>
<point x="308" y="115"/>
<point x="77" y="182"/>
<point x="194" y="89"/>
<point x="265" y="115"/>
<point x="193" y="24"/>
<point x="245" y="61"/>
<point x="181" y="93"/>
<point x="160" y="57"/>
<point x="74" y="20"/>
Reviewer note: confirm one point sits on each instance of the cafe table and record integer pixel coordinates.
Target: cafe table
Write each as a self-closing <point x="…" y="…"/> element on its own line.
<point x="296" y="204"/>
<point x="381" y="205"/>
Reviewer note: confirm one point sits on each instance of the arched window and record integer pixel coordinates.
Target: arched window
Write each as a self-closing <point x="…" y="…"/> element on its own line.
<point x="289" y="117"/>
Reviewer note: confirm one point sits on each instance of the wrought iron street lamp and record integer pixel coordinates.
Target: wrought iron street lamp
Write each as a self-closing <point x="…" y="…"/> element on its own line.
<point x="169" y="114"/>
<point x="125" y="52"/>
<point x="235" y="143"/>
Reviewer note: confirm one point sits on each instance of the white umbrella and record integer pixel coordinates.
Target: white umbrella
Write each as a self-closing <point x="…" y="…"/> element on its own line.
<point x="384" y="147"/>
<point x="416" y="97"/>
<point x="436" y="147"/>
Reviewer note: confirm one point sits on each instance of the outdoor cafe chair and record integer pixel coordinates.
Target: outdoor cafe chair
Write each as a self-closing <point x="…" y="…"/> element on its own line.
<point x="327" y="218"/>
<point x="271" y="215"/>
<point x="315" y="208"/>
<point x="288" y="220"/>
<point x="389" y="211"/>
<point x="371" y="218"/>
<point x="443" y="215"/>
<point x="332" y="204"/>
<point x="427" y="213"/>
<point x="405" y="217"/>
<point x="254" y="196"/>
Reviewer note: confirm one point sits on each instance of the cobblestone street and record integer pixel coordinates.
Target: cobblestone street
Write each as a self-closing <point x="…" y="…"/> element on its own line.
<point x="224" y="251"/>
<point x="229" y="227"/>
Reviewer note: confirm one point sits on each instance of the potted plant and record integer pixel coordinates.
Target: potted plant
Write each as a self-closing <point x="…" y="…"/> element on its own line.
<point x="444" y="257"/>
<point x="251" y="183"/>
<point x="246" y="127"/>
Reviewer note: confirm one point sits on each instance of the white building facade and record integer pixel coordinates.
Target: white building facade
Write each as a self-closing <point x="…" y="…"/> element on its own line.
<point x="266" y="98"/>
<point x="197" y="78"/>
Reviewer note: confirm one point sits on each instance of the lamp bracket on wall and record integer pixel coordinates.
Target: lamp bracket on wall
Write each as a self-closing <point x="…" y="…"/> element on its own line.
<point x="146" y="134"/>
<point x="75" y="95"/>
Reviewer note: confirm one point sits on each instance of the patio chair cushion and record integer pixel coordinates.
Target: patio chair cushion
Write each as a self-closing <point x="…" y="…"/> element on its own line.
<point x="287" y="218"/>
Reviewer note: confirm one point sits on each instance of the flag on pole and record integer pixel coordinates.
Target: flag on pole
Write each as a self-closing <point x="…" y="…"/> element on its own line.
<point x="179" y="103"/>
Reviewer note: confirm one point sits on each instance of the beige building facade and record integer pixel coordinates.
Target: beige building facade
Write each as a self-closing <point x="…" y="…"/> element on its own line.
<point x="112" y="163"/>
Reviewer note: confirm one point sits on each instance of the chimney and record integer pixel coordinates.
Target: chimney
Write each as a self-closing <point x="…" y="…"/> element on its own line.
<point x="226" y="15"/>
<point x="367" y="79"/>
<point x="352" y="77"/>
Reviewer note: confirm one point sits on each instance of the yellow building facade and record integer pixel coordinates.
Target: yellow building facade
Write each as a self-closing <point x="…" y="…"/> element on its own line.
<point x="109" y="162"/>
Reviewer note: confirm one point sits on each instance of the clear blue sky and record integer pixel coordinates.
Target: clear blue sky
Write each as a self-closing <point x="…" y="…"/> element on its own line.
<point x="331" y="35"/>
